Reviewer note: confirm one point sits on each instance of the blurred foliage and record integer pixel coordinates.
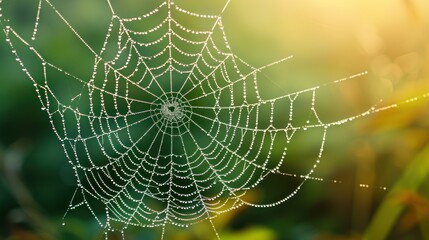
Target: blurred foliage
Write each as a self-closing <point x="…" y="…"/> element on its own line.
<point x="403" y="194"/>
<point x="330" y="40"/>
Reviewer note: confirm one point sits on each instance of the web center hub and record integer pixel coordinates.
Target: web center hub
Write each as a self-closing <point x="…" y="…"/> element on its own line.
<point x="171" y="110"/>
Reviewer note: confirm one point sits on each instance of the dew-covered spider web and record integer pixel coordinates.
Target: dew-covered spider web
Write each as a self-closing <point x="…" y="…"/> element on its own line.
<point x="165" y="125"/>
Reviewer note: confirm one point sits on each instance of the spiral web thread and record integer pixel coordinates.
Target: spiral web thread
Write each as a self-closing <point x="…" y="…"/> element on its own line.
<point x="171" y="127"/>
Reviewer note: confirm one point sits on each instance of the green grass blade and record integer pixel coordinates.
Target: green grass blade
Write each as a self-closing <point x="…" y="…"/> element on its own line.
<point x="389" y="211"/>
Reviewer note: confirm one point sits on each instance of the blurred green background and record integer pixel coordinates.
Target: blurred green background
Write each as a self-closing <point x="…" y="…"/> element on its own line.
<point x="330" y="40"/>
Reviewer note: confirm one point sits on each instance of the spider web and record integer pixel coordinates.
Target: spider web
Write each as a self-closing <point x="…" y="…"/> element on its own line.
<point x="170" y="127"/>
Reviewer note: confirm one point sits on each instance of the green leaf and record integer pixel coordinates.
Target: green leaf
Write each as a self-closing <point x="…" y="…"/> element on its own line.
<point x="389" y="211"/>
